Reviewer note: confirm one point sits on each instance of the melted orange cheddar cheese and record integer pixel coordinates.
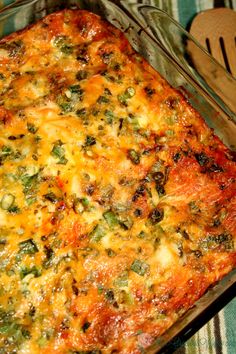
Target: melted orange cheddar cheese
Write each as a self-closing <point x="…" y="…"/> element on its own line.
<point x="117" y="200"/>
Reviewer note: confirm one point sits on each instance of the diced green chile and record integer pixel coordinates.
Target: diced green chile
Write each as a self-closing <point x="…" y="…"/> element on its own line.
<point x="47" y="263"/>
<point x="202" y="158"/>
<point x="32" y="128"/>
<point x="110" y="218"/>
<point x="86" y="326"/>
<point x="33" y="270"/>
<point x="89" y="141"/>
<point x="51" y="197"/>
<point x="139" y="267"/>
<point x="96" y="234"/>
<point x="58" y="152"/>
<point x="134" y="156"/>
<point x="81" y="75"/>
<point x="123" y="97"/>
<point x="28" y="247"/>
<point x="81" y="112"/>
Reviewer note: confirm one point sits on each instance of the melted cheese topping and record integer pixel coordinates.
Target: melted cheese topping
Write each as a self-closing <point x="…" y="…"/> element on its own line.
<point x="117" y="201"/>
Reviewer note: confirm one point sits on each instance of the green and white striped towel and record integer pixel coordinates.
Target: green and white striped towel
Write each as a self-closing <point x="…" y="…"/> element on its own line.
<point x="218" y="336"/>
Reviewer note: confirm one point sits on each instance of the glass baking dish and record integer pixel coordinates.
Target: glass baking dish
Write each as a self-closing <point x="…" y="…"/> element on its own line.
<point x="176" y="56"/>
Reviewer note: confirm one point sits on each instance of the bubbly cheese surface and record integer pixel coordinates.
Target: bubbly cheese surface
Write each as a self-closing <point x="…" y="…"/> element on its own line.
<point x="117" y="201"/>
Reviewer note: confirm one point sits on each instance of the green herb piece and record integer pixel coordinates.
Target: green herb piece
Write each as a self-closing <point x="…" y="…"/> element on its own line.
<point x="170" y="132"/>
<point x="86" y="326"/>
<point x="51" y="197"/>
<point x="110" y="218"/>
<point x="142" y="235"/>
<point x="126" y="223"/>
<point x="109" y="116"/>
<point x="76" y="89"/>
<point x="14" y="209"/>
<point x="223" y="240"/>
<point x="194" y="207"/>
<point x="139" y="267"/>
<point x="133" y="156"/>
<point x="6" y="152"/>
<point x="48" y="262"/>
<point x="89" y="141"/>
<point x="28" y="247"/>
<point x="110" y="252"/>
<point x="66" y="107"/>
<point x="33" y="270"/>
<point x="96" y="234"/>
<point x="81" y="75"/>
<point x="202" y="158"/>
<point x="80" y="204"/>
<point x="122" y="281"/>
<point x="29" y="183"/>
<point x="62" y="43"/>
<point x="15" y="333"/>
<point x="81" y="112"/>
<point x="32" y="128"/>
<point x="58" y="152"/>
<point x="103" y="99"/>
<point x="110" y="296"/>
<point x="30" y="200"/>
<point x="7" y="201"/>
<point x="85" y="202"/>
<point x="129" y="93"/>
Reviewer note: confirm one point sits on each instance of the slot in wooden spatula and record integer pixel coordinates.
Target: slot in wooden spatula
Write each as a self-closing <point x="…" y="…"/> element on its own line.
<point x="216" y="31"/>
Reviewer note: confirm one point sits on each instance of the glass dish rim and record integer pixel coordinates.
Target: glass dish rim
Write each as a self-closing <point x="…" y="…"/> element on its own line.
<point x="184" y="331"/>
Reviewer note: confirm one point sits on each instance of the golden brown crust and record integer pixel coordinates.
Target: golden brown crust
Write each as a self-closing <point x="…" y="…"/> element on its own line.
<point x="117" y="200"/>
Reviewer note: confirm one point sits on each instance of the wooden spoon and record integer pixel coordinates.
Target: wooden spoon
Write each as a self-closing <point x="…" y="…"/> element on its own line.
<point x="216" y="31"/>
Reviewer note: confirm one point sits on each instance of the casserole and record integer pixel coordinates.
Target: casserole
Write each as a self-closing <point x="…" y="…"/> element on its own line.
<point x="179" y="80"/>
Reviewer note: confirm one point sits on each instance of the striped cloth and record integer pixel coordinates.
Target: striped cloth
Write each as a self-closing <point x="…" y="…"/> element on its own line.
<point x="218" y="336"/>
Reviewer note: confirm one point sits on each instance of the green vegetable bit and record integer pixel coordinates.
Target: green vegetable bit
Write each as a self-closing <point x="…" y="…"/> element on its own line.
<point x="89" y="141"/>
<point x="28" y="247"/>
<point x="51" y="197"/>
<point x="96" y="234"/>
<point x="134" y="156"/>
<point x="129" y="93"/>
<point x="58" y="152"/>
<point x="33" y="270"/>
<point x="32" y="128"/>
<point x="139" y="267"/>
<point x="110" y="218"/>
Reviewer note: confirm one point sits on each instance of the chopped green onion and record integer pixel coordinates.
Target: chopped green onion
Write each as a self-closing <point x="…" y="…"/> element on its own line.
<point x="139" y="267"/>
<point x="33" y="270"/>
<point x="28" y="247"/>
<point x="89" y="141"/>
<point x="110" y="218"/>
<point x="96" y="234"/>
<point x="134" y="156"/>
<point x="31" y="128"/>
<point x="51" y="197"/>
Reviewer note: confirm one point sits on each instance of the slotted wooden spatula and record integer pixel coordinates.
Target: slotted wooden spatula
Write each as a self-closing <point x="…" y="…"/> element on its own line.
<point x="216" y="31"/>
